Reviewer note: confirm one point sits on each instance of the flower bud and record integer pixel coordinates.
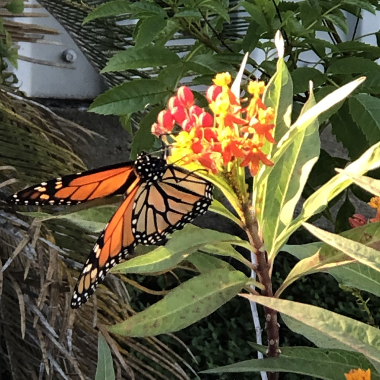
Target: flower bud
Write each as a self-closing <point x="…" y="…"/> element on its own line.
<point x="179" y="114"/>
<point x="187" y="125"/>
<point x="357" y="220"/>
<point x="166" y="120"/>
<point x="158" y="129"/>
<point x="206" y="120"/>
<point x="173" y="102"/>
<point x="185" y="96"/>
<point x="213" y="92"/>
<point x="195" y="110"/>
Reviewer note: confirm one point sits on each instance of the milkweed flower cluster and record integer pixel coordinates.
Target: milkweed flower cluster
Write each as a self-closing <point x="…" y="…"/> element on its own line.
<point x="358" y="220"/>
<point x="232" y="132"/>
<point x="358" y="374"/>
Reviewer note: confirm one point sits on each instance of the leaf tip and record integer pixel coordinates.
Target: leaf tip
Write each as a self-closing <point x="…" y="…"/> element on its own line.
<point x="279" y="42"/>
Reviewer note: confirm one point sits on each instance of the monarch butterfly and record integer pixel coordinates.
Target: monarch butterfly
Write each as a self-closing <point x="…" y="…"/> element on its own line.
<point x="159" y="199"/>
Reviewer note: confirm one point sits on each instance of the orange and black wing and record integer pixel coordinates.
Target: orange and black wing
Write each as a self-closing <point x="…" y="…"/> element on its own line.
<point x="80" y="187"/>
<point x="114" y="244"/>
<point x="168" y="204"/>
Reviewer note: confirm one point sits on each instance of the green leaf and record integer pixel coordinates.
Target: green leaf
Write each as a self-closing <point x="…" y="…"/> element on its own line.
<point x="325" y="328"/>
<point x="315" y="362"/>
<point x="317" y="257"/>
<point x="148" y="56"/>
<point x="279" y="95"/>
<point x="355" y="250"/>
<point x="143" y="140"/>
<point x="206" y="263"/>
<point x="112" y="8"/>
<point x="93" y="219"/>
<point x="215" y="7"/>
<point x="149" y="29"/>
<point x="104" y="368"/>
<point x="341" y="123"/>
<point x="15" y="6"/>
<point x="322" y="93"/>
<point x="251" y="37"/>
<point x="220" y="209"/>
<point x="126" y="122"/>
<point x="367" y="183"/>
<point x="208" y="64"/>
<point x="318" y="200"/>
<point x="191" y="13"/>
<point x="354" y="275"/>
<point x="372" y="83"/>
<point x="353" y="65"/>
<point x="366" y="5"/>
<point x="301" y="77"/>
<point x="178" y="248"/>
<point x="141" y="10"/>
<point x="186" y="304"/>
<point x="339" y="20"/>
<point x="286" y="182"/>
<point x="171" y="75"/>
<point x="365" y="110"/>
<point x="129" y="97"/>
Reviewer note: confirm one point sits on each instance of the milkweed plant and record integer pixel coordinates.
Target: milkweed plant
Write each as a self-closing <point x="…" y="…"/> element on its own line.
<point x="246" y="131"/>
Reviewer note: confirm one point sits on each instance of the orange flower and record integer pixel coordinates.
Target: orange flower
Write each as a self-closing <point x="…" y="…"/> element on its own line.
<point x="232" y="133"/>
<point x="358" y="374"/>
<point x="375" y="203"/>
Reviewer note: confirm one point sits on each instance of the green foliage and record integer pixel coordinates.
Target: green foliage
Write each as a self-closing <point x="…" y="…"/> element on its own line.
<point x="104" y="370"/>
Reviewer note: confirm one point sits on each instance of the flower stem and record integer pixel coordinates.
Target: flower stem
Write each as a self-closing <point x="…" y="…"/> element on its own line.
<point x="263" y="271"/>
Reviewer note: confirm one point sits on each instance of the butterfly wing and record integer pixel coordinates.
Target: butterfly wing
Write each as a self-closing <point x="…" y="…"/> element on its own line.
<point x="76" y="188"/>
<point x="113" y="245"/>
<point x="167" y="205"/>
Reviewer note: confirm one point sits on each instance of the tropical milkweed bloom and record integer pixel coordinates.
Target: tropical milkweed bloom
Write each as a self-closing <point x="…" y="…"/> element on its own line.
<point x="375" y="203"/>
<point x="358" y="374"/>
<point x="233" y="132"/>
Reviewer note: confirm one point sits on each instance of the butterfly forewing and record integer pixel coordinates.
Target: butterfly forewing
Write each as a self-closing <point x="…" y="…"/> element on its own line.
<point x="81" y="187"/>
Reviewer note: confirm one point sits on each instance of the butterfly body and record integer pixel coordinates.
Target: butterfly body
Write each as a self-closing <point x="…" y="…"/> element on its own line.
<point x="159" y="199"/>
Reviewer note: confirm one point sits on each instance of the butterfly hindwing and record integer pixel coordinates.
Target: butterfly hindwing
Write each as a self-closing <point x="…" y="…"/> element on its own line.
<point x="113" y="245"/>
<point x="80" y="187"/>
<point x="168" y="204"/>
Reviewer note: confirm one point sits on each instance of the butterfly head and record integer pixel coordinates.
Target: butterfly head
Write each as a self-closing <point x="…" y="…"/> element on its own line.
<point x="150" y="168"/>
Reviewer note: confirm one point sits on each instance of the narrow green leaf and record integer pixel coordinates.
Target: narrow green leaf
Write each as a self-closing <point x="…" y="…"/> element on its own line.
<point x="148" y="56"/>
<point x="104" y="368"/>
<point x="178" y="248"/>
<point x="286" y="181"/>
<point x="208" y="64"/>
<point x="355" y="250"/>
<point x="325" y="328"/>
<point x="149" y="29"/>
<point x="220" y="209"/>
<point x="279" y="95"/>
<point x="129" y="97"/>
<point x="353" y="65"/>
<point x="206" y="263"/>
<point x="126" y="122"/>
<point x="93" y="219"/>
<point x="316" y="362"/>
<point x="172" y="74"/>
<point x="354" y="275"/>
<point x="112" y="8"/>
<point x="143" y="140"/>
<point x="365" y="110"/>
<point x="186" y="304"/>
